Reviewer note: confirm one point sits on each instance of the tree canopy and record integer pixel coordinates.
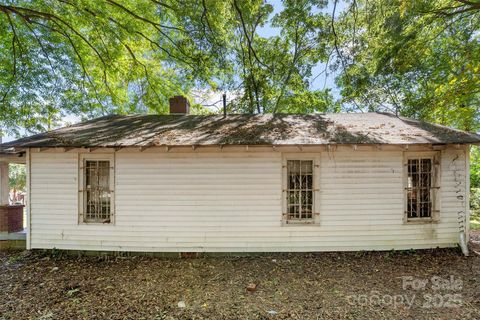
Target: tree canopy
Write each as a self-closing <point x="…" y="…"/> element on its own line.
<point x="17" y="177"/>
<point x="420" y="58"/>
<point x="93" y="57"/>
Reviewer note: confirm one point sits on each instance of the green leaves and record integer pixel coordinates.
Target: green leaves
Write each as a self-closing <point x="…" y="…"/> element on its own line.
<point x="275" y="71"/>
<point x="475" y="167"/>
<point x="90" y="57"/>
<point x="17" y="177"/>
<point x="419" y="57"/>
<point x="95" y="57"/>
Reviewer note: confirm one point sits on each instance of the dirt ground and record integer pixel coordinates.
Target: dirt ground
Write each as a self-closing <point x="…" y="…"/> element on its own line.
<point x="431" y="284"/>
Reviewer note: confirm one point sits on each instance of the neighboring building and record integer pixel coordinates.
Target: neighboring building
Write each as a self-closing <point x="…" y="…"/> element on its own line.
<point x="246" y="183"/>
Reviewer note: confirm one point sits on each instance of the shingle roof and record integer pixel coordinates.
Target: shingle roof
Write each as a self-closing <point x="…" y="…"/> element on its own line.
<point x="266" y="129"/>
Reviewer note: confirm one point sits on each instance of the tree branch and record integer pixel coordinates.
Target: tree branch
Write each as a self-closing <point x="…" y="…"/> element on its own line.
<point x="14" y="54"/>
<point x="245" y="31"/>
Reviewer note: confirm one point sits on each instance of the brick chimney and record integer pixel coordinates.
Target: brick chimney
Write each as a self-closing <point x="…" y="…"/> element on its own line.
<point x="179" y="105"/>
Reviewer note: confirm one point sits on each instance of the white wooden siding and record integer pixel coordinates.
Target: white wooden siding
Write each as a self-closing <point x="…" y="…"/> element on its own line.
<point x="232" y="202"/>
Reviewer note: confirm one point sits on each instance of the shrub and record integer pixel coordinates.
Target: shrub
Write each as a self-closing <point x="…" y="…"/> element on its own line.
<point x="475" y="204"/>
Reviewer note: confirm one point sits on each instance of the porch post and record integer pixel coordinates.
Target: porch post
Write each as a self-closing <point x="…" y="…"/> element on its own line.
<point x="4" y="190"/>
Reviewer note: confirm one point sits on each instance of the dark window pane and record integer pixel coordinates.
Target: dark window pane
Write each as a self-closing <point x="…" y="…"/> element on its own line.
<point x="300" y="189"/>
<point x="419" y="185"/>
<point x="97" y="192"/>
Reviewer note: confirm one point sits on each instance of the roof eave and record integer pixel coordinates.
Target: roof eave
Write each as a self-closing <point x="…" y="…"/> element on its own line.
<point x="20" y="149"/>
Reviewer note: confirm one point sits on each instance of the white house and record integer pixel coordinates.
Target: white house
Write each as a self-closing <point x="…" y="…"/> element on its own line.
<point x="246" y="183"/>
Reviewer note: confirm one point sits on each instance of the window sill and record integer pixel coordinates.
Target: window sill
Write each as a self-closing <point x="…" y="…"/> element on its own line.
<point x="96" y="223"/>
<point x="421" y="221"/>
<point x="290" y="223"/>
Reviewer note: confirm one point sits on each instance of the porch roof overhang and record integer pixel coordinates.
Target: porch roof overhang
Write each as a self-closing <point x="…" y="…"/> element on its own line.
<point x="12" y="155"/>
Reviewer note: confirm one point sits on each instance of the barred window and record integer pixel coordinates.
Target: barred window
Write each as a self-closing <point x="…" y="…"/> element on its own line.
<point x="96" y="191"/>
<point x="299" y="190"/>
<point x="419" y="188"/>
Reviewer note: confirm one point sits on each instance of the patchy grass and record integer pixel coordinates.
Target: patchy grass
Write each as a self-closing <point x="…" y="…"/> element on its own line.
<point x="475" y="219"/>
<point x="357" y="285"/>
<point x="474" y="225"/>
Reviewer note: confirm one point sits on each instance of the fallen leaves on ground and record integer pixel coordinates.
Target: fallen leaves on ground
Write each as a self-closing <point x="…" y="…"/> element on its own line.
<point x="36" y="285"/>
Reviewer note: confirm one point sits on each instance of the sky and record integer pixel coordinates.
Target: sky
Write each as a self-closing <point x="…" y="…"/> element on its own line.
<point x="322" y="81"/>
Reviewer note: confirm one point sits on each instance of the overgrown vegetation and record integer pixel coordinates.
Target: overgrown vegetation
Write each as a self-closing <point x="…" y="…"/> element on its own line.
<point x="475" y="188"/>
<point x="475" y="208"/>
<point x="475" y="167"/>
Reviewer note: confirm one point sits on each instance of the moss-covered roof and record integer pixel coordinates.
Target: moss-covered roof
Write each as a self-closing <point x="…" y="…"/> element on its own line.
<point x="266" y="129"/>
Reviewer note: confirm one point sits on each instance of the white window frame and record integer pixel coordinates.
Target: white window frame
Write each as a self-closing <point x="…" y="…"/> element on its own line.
<point x="315" y="158"/>
<point x="435" y="156"/>
<point x="81" y="185"/>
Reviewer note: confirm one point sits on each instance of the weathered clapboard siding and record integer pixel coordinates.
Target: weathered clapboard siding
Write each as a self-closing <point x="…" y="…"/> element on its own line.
<point x="233" y="202"/>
